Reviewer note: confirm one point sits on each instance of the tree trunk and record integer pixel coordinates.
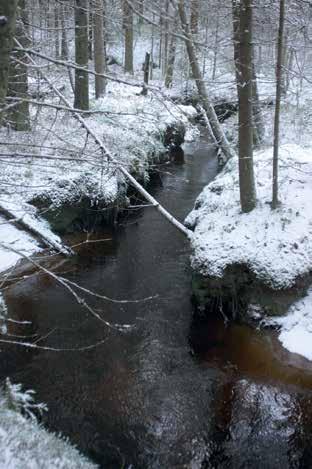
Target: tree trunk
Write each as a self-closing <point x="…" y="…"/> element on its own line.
<point x="128" y="28"/>
<point x="7" y="30"/>
<point x="99" y="48"/>
<point x="18" y="77"/>
<point x="81" y="55"/>
<point x="242" y="21"/>
<point x="208" y="107"/>
<point x="258" y="126"/>
<point x="194" y="16"/>
<point x="279" y="77"/>
<point x="171" y="60"/>
<point x="57" y="33"/>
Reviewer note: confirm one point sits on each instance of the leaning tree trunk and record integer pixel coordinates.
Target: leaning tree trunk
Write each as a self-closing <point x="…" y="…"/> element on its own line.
<point x="7" y="30"/>
<point x="18" y="116"/>
<point x="81" y="55"/>
<point x="128" y="28"/>
<point x="242" y="20"/>
<point x="217" y="130"/>
<point x="99" y="48"/>
<point x="279" y="91"/>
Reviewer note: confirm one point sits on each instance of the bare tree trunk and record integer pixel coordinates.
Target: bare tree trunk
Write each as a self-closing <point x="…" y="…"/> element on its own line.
<point x="215" y="49"/>
<point x="279" y="74"/>
<point x="128" y="28"/>
<point x="258" y="125"/>
<point x="81" y="55"/>
<point x="64" y="43"/>
<point x="194" y="16"/>
<point x="208" y="107"/>
<point x="18" y="77"/>
<point x="242" y="38"/>
<point x="171" y="60"/>
<point x="99" y="48"/>
<point x="57" y="33"/>
<point x="7" y="30"/>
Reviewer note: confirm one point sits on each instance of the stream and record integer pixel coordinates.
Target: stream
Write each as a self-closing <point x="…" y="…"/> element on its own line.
<point x="173" y="392"/>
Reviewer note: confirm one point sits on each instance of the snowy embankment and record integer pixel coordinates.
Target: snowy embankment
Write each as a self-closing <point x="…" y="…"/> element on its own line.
<point x="24" y="444"/>
<point x="296" y="328"/>
<point x="275" y="246"/>
<point x="56" y="163"/>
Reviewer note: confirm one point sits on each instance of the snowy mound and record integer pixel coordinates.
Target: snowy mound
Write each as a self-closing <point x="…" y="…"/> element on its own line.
<point x="24" y="444"/>
<point x="275" y="245"/>
<point x="296" y="327"/>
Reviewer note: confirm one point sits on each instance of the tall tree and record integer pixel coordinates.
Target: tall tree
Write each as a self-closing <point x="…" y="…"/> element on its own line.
<point x="81" y="55"/>
<point x="279" y="90"/>
<point x="7" y="30"/>
<point x="242" y="13"/>
<point x="18" y="77"/>
<point x="128" y="29"/>
<point x="99" y="48"/>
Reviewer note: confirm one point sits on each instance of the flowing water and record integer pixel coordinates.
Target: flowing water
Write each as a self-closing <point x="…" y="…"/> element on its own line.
<point x="173" y="392"/>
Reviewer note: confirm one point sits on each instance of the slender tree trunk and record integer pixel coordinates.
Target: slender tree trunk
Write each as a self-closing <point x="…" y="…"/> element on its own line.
<point x="57" y="33"/>
<point x="258" y="125"/>
<point x="215" y="49"/>
<point x="7" y="30"/>
<point x="18" y="81"/>
<point x="171" y="60"/>
<point x="128" y="28"/>
<point x="90" y="33"/>
<point x="279" y="78"/>
<point x="242" y="26"/>
<point x="201" y="87"/>
<point x="99" y="48"/>
<point x="81" y="55"/>
<point x="64" y="43"/>
<point x="194" y="16"/>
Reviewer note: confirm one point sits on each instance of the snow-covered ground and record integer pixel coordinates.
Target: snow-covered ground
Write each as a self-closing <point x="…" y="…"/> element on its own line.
<point x="275" y="245"/>
<point x="295" y="329"/>
<point x="24" y="444"/>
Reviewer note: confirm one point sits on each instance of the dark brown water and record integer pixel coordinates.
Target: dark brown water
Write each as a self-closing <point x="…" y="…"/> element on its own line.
<point x="171" y="393"/>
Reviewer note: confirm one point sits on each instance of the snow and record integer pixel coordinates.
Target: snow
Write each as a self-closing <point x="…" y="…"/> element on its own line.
<point x="275" y="245"/>
<point x="296" y="327"/>
<point x="24" y="444"/>
<point x="14" y="238"/>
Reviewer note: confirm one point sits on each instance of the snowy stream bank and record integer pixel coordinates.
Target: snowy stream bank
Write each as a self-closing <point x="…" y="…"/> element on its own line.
<point x="275" y="247"/>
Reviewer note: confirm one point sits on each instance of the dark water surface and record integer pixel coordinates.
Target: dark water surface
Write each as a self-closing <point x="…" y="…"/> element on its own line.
<point x="171" y="393"/>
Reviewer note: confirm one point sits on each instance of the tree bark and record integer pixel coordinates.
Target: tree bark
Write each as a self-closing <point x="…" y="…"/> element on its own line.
<point x="18" y="78"/>
<point x="242" y="21"/>
<point x="7" y="30"/>
<point x="194" y="16"/>
<point x="208" y="107"/>
<point x="128" y="28"/>
<point x="81" y="55"/>
<point x="171" y="60"/>
<point x="279" y="90"/>
<point x="99" y="49"/>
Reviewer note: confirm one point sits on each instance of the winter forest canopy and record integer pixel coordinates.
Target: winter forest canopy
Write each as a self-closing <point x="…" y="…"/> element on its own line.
<point x="155" y="233"/>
